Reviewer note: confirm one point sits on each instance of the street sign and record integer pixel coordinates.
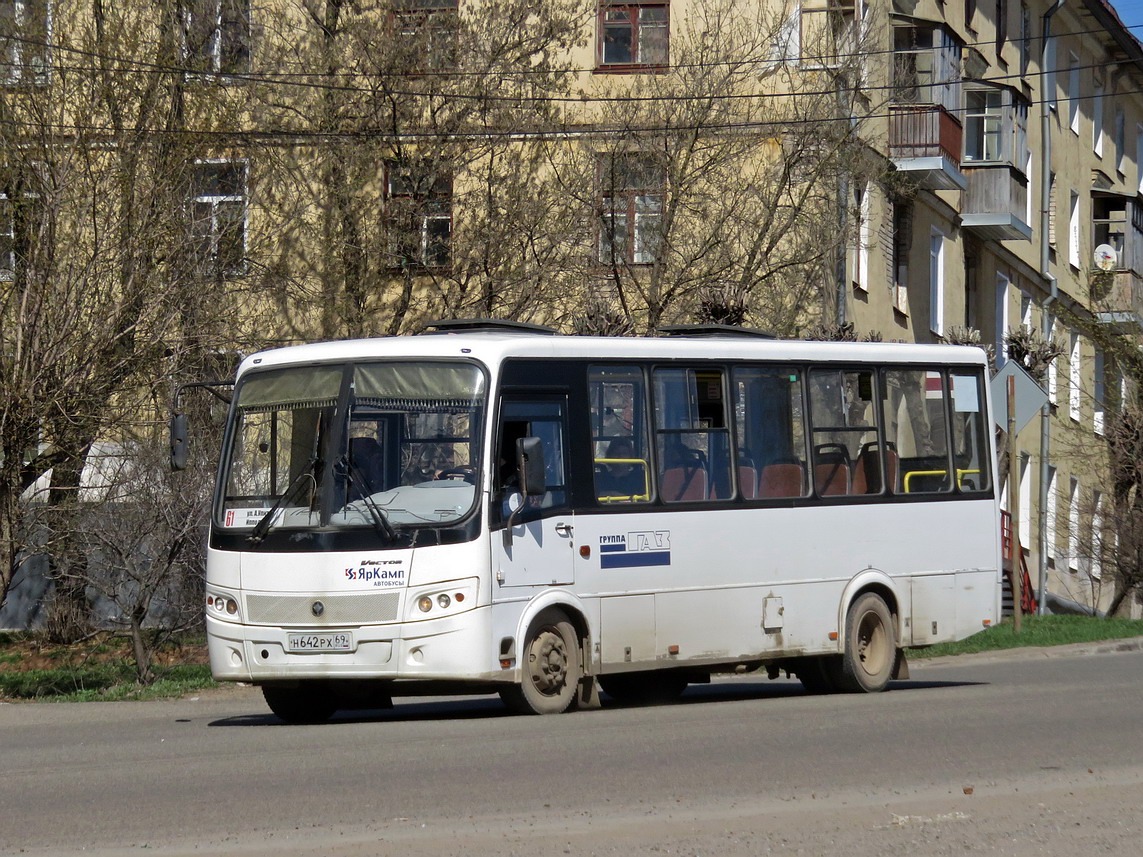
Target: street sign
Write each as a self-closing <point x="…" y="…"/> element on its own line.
<point x="1030" y="396"/>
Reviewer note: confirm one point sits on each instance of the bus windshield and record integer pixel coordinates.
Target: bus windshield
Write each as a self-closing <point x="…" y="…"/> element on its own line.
<point x="382" y="445"/>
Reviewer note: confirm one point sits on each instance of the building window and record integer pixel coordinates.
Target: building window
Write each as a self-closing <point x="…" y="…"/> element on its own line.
<point x="1096" y="562"/>
<point x="995" y="129"/>
<point x="1073" y="524"/>
<point x="1053" y="367"/>
<point x="1120" y="141"/>
<point x="1001" y="25"/>
<point x="25" y="30"/>
<point x="828" y="31"/>
<point x="1073" y="93"/>
<point x="1100" y="389"/>
<point x="863" y="236"/>
<point x="1050" y="514"/>
<point x="1073" y="230"/>
<point x="633" y="33"/>
<point x="1075" y="375"/>
<point x="1002" y="284"/>
<point x="418" y="217"/>
<point x="633" y="192"/>
<point x="1097" y="119"/>
<point x="1025" y="39"/>
<point x="427" y="32"/>
<point x="926" y="67"/>
<point x="900" y="224"/>
<point x="937" y="282"/>
<point x="218" y="218"/>
<point x="1139" y="157"/>
<point x="216" y="36"/>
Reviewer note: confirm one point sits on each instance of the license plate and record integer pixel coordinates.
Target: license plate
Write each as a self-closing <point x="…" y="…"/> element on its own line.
<point x="334" y="641"/>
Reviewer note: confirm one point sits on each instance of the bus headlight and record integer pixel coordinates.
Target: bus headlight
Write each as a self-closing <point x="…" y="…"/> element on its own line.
<point x="443" y="599"/>
<point x="221" y="606"/>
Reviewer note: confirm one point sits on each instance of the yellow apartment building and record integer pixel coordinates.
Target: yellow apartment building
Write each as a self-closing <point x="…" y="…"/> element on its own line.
<point x="314" y="169"/>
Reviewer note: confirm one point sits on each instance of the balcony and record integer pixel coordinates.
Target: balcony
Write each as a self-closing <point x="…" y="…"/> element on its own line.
<point x="1118" y="297"/>
<point x="925" y="142"/>
<point x="996" y="203"/>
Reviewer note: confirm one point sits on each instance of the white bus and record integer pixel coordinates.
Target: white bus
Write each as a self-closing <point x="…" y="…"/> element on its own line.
<point x="494" y="508"/>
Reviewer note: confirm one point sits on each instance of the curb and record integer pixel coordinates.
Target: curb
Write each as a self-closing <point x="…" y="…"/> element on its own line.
<point x="1027" y="653"/>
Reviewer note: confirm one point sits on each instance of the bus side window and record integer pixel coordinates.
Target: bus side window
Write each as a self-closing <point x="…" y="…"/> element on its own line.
<point x="914" y="418"/>
<point x="619" y="434"/>
<point x="692" y="435"/>
<point x="770" y="432"/>
<point x="844" y="423"/>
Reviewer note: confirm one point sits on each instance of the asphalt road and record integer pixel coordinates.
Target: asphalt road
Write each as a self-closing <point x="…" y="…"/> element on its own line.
<point x="1031" y="755"/>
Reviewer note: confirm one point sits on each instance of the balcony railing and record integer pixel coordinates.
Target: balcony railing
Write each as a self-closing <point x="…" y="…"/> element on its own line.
<point x="1122" y="303"/>
<point x="995" y="204"/>
<point x="924" y="132"/>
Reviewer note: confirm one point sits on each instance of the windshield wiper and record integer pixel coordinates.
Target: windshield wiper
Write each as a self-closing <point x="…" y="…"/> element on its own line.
<point x="361" y="483"/>
<point x="266" y="521"/>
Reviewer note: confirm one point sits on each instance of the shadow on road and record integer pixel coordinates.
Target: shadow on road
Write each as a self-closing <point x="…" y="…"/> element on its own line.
<point x="476" y="708"/>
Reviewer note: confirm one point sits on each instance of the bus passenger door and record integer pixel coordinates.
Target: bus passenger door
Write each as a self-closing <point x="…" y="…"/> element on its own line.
<point x="537" y="550"/>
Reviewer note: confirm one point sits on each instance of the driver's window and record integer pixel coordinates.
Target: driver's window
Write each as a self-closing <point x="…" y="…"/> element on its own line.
<point x="532" y="418"/>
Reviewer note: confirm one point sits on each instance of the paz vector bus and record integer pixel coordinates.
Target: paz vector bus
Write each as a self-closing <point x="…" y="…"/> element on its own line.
<point x="495" y="508"/>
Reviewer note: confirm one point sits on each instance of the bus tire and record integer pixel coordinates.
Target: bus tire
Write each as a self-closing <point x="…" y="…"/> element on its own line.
<point x="816" y="674"/>
<point x="550" y="668"/>
<point x="309" y="702"/>
<point x="870" y="647"/>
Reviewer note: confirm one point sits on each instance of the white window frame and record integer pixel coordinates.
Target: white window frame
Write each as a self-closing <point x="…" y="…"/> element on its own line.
<point x="1099" y="387"/>
<point x="1139" y="156"/>
<point x="1002" y="284"/>
<point x="21" y="54"/>
<point x="212" y="56"/>
<point x="1025" y="310"/>
<point x="864" y="235"/>
<point x="1097" y="119"/>
<point x="1074" y="229"/>
<point x="1024" y="527"/>
<point x="1073" y="523"/>
<point x="1095" y="565"/>
<point x="1120" y="139"/>
<point x="1051" y="511"/>
<point x="937" y="281"/>
<point x="1073" y="93"/>
<point x="212" y="268"/>
<point x="1053" y="367"/>
<point x="8" y="232"/>
<point x="1075" y="375"/>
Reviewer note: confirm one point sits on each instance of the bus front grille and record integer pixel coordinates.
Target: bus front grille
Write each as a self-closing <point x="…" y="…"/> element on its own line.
<point x="334" y="610"/>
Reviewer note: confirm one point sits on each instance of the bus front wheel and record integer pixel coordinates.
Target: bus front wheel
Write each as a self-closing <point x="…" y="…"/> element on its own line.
<point x="306" y="703"/>
<point x="870" y="647"/>
<point x="550" y="668"/>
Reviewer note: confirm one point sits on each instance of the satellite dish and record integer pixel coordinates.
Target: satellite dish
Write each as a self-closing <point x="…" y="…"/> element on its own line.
<point x="1106" y="259"/>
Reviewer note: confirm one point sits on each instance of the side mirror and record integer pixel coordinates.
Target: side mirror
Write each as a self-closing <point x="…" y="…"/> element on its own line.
<point x="530" y="466"/>
<point x="178" y="432"/>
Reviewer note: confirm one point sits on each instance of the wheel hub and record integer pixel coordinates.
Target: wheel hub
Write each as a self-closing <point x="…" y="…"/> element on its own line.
<point x="549" y="663"/>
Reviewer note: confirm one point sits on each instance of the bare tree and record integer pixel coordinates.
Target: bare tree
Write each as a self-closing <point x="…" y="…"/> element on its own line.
<point x="112" y="277"/>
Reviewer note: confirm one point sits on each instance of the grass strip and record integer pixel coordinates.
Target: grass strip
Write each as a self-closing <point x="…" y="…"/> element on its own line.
<point x="102" y="683"/>
<point x="1038" y="631"/>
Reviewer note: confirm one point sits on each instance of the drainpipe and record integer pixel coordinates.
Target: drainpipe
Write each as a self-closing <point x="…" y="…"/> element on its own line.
<point x="1053" y="296"/>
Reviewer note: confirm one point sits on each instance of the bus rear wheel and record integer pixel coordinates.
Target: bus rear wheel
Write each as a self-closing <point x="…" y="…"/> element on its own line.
<point x="308" y="702"/>
<point x="870" y="647"/>
<point x="550" y="668"/>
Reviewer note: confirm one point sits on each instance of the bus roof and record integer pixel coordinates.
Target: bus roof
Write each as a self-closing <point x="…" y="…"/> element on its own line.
<point x="492" y="347"/>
